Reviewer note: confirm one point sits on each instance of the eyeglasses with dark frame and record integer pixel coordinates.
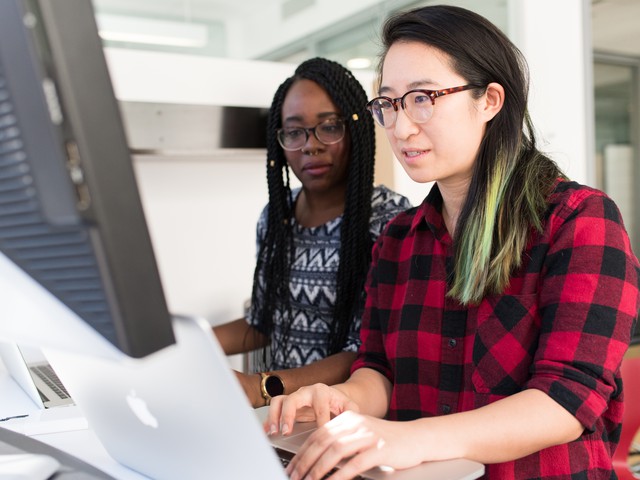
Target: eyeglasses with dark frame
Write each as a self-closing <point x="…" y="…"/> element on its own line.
<point x="328" y="132"/>
<point x="418" y="104"/>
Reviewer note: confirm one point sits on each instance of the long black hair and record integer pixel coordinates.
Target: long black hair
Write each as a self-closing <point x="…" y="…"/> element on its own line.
<point x="508" y="193"/>
<point x="275" y="255"/>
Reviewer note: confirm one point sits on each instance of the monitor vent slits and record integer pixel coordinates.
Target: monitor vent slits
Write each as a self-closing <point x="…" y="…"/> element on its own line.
<point x="61" y="258"/>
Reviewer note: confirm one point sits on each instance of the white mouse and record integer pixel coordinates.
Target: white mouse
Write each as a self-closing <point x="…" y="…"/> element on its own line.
<point x="27" y="466"/>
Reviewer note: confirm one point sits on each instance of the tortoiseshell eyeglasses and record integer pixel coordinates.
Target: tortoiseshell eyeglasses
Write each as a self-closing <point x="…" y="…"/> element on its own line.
<point x="418" y="104"/>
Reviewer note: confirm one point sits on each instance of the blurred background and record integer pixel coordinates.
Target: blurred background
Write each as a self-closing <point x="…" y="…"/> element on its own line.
<point x="587" y="50"/>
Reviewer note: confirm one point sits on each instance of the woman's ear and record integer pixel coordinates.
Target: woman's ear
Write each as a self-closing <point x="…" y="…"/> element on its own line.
<point x="493" y="100"/>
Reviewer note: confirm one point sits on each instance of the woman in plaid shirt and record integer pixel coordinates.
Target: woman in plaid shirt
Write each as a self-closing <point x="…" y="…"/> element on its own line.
<point x="499" y="310"/>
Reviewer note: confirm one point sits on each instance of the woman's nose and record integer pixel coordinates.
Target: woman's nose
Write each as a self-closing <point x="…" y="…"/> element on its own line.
<point x="312" y="140"/>
<point x="404" y="126"/>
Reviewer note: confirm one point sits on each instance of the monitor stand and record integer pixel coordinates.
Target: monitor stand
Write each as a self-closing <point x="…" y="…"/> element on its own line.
<point x="12" y="443"/>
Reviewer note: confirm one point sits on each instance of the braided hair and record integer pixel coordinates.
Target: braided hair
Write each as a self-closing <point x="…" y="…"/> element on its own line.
<point x="275" y="254"/>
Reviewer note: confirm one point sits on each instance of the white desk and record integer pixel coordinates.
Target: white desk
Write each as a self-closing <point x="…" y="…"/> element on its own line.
<point x="68" y="435"/>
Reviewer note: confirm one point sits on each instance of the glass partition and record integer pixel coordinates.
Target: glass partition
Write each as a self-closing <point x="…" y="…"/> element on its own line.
<point x="617" y="161"/>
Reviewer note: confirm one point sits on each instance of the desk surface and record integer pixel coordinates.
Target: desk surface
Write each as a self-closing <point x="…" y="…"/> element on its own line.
<point x="69" y="435"/>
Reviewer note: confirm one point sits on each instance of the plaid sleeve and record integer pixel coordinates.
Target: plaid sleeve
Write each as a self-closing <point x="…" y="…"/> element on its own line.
<point x="588" y="303"/>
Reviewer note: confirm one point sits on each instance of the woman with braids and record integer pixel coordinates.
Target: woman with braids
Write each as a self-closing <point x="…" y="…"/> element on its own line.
<point x="314" y="242"/>
<point x="499" y="310"/>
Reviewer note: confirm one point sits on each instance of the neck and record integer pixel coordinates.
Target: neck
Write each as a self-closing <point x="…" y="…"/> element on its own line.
<point x="452" y="202"/>
<point x="314" y="209"/>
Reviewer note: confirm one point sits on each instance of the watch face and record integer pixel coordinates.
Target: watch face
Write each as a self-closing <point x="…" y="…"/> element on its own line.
<point x="274" y="386"/>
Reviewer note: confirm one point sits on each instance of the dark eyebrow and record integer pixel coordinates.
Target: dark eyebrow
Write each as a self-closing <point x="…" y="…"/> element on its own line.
<point x="412" y="86"/>
<point x="321" y="116"/>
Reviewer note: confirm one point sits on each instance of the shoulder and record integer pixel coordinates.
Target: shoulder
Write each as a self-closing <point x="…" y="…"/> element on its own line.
<point x="262" y="219"/>
<point x="264" y="214"/>
<point x="261" y="226"/>
<point x="385" y="205"/>
<point x="581" y="217"/>
<point x="383" y="197"/>
<point x="571" y="199"/>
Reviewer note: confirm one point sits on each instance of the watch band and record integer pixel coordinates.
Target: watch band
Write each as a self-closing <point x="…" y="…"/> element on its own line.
<point x="271" y="385"/>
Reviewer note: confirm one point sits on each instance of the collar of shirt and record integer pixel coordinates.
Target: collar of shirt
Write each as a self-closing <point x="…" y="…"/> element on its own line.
<point x="430" y="213"/>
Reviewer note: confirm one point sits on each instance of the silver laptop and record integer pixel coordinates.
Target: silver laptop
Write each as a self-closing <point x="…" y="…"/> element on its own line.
<point x="180" y="413"/>
<point x="33" y="373"/>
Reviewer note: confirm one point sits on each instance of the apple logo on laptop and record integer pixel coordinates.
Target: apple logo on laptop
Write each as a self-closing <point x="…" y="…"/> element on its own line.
<point x="139" y="407"/>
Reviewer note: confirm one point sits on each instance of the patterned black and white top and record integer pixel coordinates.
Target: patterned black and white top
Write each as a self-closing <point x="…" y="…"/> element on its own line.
<point x="313" y="284"/>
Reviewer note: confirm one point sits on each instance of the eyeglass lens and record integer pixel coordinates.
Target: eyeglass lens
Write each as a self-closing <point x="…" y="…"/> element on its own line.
<point x="327" y="132"/>
<point x="417" y="104"/>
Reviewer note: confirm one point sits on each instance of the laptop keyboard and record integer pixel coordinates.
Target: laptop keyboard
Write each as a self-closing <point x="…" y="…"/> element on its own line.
<point x="49" y="376"/>
<point x="285" y="457"/>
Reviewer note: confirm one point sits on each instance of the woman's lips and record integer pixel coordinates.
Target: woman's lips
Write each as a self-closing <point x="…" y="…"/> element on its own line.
<point x="317" y="168"/>
<point x="413" y="156"/>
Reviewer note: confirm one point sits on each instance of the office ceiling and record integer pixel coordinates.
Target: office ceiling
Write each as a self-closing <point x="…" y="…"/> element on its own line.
<point x="183" y="9"/>
<point x="615" y="25"/>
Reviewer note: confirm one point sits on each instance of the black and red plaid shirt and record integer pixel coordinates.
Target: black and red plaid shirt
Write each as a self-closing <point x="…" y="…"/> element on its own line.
<point x="562" y="326"/>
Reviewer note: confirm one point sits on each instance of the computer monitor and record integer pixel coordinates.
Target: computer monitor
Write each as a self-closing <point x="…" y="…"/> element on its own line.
<point x="74" y="246"/>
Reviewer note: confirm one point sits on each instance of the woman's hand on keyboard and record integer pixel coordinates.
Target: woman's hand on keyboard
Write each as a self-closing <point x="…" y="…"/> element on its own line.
<point x="316" y="403"/>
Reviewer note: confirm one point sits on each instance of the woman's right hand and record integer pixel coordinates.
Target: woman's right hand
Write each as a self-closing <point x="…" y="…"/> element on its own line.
<point x="344" y="435"/>
<point x="316" y="403"/>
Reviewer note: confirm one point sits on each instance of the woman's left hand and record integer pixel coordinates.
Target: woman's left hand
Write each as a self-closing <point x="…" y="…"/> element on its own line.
<point x="251" y="386"/>
<point x="362" y="442"/>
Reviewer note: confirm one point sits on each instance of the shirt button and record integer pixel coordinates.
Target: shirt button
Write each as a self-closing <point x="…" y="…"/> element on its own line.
<point x="453" y="342"/>
<point x="445" y="408"/>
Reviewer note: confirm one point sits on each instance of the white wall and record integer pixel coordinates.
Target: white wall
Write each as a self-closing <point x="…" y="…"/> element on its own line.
<point x="167" y="77"/>
<point x="555" y="37"/>
<point x="202" y="214"/>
